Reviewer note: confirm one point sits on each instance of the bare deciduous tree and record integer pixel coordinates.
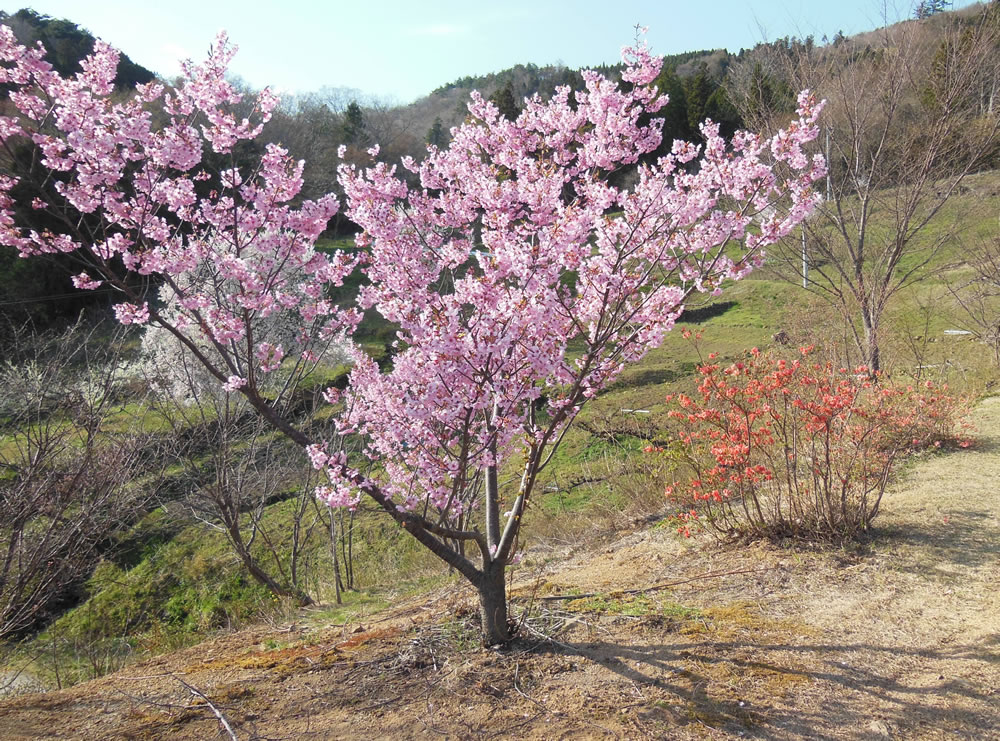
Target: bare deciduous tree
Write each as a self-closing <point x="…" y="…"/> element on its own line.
<point x="70" y="479"/>
<point x="979" y="296"/>
<point x="237" y="464"/>
<point x="243" y="468"/>
<point x="909" y="117"/>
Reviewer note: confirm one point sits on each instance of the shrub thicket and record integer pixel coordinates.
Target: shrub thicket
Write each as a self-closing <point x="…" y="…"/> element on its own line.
<point x="781" y="447"/>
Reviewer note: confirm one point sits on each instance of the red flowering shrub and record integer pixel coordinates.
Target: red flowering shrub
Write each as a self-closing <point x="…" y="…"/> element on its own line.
<point x="795" y="448"/>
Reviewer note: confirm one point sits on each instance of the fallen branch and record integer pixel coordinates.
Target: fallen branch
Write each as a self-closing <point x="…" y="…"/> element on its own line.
<point x="218" y="713"/>
<point x="153" y="676"/>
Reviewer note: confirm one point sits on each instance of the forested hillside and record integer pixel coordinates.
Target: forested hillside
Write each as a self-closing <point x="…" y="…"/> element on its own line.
<point x="313" y="126"/>
<point x="716" y="84"/>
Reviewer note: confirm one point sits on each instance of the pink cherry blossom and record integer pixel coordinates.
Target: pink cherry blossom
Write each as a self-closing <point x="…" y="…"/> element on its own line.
<point x="522" y="280"/>
<point x="85" y="282"/>
<point x="538" y="250"/>
<point x="229" y="260"/>
<point x="131" y="314"/>
<point x="234" y="383"/>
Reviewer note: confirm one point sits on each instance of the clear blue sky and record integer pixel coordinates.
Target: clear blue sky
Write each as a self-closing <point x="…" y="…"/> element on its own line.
<point x="402" y="49"/>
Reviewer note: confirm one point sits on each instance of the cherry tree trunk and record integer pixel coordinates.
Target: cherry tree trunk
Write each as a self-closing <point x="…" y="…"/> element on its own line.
<point x="493" y="607"/>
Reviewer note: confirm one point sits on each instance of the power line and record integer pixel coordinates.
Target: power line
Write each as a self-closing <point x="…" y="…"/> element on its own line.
<point x="40" y="299"/>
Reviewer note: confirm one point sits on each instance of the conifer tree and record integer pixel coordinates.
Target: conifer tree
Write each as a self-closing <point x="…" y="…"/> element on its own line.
<point x="505" y="102"/>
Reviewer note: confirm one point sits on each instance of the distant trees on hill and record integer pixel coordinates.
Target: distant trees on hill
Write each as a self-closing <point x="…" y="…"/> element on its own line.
<point x="911" y="113"/>
<point x="927" y="8"/>
<point x="352" y="128"/>
<point x="67" y="44"/>
<point x="744" y="90"/>
<point x="436" y="135"/>
<point x="504" y="100"/>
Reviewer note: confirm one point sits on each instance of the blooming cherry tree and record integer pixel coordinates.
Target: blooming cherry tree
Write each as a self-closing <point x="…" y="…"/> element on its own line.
<point x="522" y="281"/>
<point x="129" y="184"/>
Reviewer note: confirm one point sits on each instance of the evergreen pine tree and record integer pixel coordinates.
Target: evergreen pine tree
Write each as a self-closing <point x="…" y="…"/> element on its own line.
<point x="436" y="136"/>
<point x="675" y="115"/>
<point x="504" y="100"/>
<point x="697" y="90"/>
<point x="352" y="129"/>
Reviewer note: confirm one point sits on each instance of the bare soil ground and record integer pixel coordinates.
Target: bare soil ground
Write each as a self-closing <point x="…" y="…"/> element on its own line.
<point x="898" y="638"/>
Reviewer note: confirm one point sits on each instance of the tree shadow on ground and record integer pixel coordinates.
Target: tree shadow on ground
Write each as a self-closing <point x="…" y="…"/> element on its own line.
<point x="955" y="531"/>
<point x="961" y="537"/>
<point x="737" y="686"/>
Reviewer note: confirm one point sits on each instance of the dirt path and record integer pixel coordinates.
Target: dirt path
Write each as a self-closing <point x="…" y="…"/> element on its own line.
<point x="900" y="639"/>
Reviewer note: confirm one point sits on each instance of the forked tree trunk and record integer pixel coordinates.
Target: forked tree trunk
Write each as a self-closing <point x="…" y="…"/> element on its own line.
<point x="261" y="576"/>
<point x="493" y="607"/>
<point x="873" y="358"/>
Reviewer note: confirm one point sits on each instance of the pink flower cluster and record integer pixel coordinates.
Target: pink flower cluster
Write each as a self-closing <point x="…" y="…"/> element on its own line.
<point x="522" y="279"/>
<point x="554" y="279"/>
<point x="230" y="258"/>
